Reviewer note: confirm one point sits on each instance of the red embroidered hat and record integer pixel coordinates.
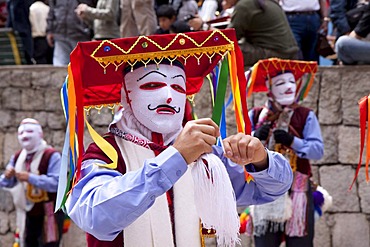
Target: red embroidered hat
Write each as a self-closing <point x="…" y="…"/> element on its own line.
<point x="265" y="69"/>
<point x="97" y="65"/>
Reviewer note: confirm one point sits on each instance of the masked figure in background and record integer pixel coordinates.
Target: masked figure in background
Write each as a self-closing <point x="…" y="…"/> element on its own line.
<point x="32" y="178"/>
<point x="148" y="198"/>
<point x="293" y="130"/>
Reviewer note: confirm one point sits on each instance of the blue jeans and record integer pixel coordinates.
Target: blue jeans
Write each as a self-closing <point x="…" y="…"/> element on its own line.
<point x="305" y="28"/>
<point x="353" y="51"/>
<point x="63" y="47"/>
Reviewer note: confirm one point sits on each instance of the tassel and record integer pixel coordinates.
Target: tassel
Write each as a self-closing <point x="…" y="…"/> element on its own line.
<point x="296" y="225"/>
<point x="215" y="199"/>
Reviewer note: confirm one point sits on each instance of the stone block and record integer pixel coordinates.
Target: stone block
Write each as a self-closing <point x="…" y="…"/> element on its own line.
<point x="350" y="230"/>
<point x="336" y="180"/>
<point x="349" y="145"/>
<point x="6" y="202"/>
<point x="11" y="99"/>
<point x="7" y="239"/>
<point x="4" y="222"/>
<point x="40" y="78"/>
<point x="322" y="232"/>
<point x="6" y="119"/>
<point x="330" y="138"/>
<point x="57" y="139"/>
<point x="58" y="77"/>
<point x="352" y="94"/>
<point x="40" y="116"/>
<point x="11" y="145"/>
<point x="21" y="78"/>
<point x="56" y="121"/>
<point x="53" y="101"/>
<point x="363" y="191"/>
<point x="330" y="111"/>
<point x="33" y="100"/>
<point x="2" y="163"/>
<point x="6" y="80"/>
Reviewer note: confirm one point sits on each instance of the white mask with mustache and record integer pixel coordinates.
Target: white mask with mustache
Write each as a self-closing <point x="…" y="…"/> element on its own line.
<point x="157" y="96"/>
<point x="283" y="88"/>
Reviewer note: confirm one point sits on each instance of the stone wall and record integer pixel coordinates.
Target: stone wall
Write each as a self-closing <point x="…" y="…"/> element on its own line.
<point x="33" y="91"/>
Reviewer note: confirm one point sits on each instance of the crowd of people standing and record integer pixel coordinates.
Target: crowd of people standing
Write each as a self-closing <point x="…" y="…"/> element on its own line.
<point x="288" y="29"/>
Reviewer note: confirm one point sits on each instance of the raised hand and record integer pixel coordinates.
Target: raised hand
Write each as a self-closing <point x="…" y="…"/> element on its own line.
<point x="244" y="149"/>
<point x="197" y="138"/>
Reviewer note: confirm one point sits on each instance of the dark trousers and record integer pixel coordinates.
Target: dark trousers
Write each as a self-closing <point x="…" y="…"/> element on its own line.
<point x="35" y="227"/>
<point x="305" y="27"/>
<point x="271" y="239"/>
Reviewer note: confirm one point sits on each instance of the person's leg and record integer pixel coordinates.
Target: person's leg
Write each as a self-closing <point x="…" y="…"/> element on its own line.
<point x="33" y="230"/>
<point x="298" y="27"/>
<point x="62" y="51"/>
<point x="128" y="23"/>
<point x="269" y="239"/>
<point x="310" y="37"/>
<point x="352" y="51"/>
<point x="146" y="19"/>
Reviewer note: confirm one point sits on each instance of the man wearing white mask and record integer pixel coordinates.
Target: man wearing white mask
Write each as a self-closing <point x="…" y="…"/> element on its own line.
<point x="32" y="178"/>
<point x="136" y="186"/>
<point x="293" y="130"/>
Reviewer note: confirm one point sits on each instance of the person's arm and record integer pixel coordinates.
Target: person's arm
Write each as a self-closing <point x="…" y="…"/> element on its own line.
<point x="109" y="12"/>
<point x="363" y="27"/>
<point x="324" y="17"/>
<point x="104" y="201"/>
<point x="7" y="179"/>
<point x="268" y="184"/>
<point x="338" y="16"/>
<point x="240" y="20"/>
<point x="48" y="181"/>
<point x="311" y="146"/>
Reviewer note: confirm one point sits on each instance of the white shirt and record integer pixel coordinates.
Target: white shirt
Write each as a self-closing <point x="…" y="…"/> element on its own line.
<point x="299" y="5"/>
<point x="38" y="14"/>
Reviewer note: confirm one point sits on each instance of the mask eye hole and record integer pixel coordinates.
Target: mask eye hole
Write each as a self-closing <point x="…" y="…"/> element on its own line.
<point x="178" y="88"/>
<point x="152" y="85"/>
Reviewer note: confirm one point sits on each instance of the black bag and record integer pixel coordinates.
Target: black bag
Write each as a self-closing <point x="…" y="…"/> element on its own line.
<point x="323" y="47"/>
<point x="354" y="15"/>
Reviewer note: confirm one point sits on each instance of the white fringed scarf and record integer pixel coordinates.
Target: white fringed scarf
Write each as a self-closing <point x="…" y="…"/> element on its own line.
<point x="154" y="228"/>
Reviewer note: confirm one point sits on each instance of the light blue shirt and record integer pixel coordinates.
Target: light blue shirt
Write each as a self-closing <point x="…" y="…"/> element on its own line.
<point x="104" y="201"/>
<point x="47" y="182"/>
<point x="311" y="146"/>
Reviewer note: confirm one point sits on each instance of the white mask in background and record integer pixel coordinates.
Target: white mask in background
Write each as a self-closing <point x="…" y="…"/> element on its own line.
<point x="283" y="88"/>
<point x="157" y="96"/>
<point x="30" y="136"/>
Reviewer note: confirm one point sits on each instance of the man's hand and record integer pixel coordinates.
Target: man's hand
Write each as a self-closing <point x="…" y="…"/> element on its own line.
<point x="283" y="137"/>
<point x="9" y="172"/>
<point x="197" y="138"/>
<point x="50" y="39"/>
<point x="22" y="176"/>
<point x="244" y="149"/>
<point x="262" y="132"/>
<point x="80" y="10"/>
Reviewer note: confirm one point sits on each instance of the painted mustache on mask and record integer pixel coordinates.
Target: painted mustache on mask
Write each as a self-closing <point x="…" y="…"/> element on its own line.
<point x="164" y="108"/>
